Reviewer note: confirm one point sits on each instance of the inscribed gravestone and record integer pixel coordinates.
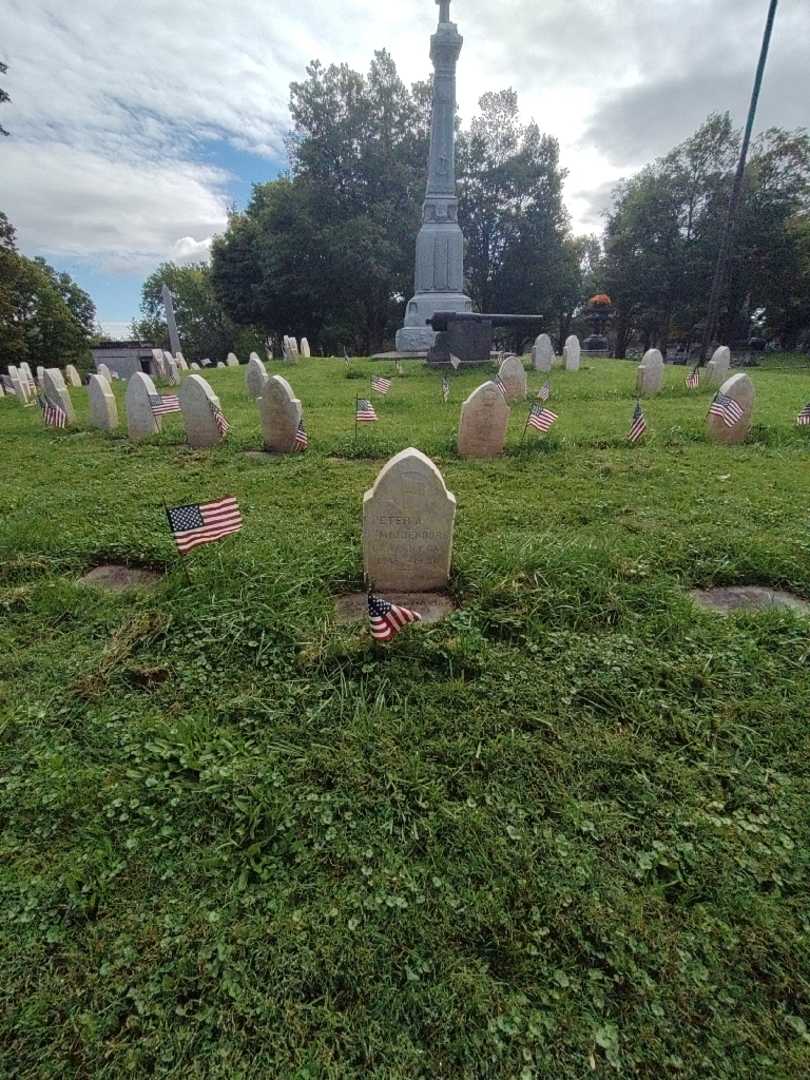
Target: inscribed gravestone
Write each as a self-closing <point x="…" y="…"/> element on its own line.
<point x="103" y="407"/>
<point x="513" y="376"/>
<point x="572" y="353"/>
<point x="232" y="360"/>
<point x="740" y="389"/>
<point x="650" y="376"/>
<point x="255" y="377"/>
<point x="55" y="391"/>
<point x="281" y="415"/>
<point x="719" y="366"/>
<point x="198" y="402"/>
<point x="408" y="520"/>
<point x="484" y="422"/>
<point x="305" y="350"/>
<point x="72" y="376"/>
<point x="141" y="421"/>
<point x="543" y="353"/>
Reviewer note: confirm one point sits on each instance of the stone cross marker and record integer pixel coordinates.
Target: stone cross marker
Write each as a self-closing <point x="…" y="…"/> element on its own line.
<point x="650" y="376"/>
<point x="255" y="377"/>
<point x="198" y="400"/>
<point x="543" y="353"/>
<point x="281" y="415"/>
<point x="740" y="389"/>
<point x="484" y="422"/>
<point x="55" y="391"/>
<point x="513" y="375"/>
<point x="408" y="520"/>
<point x="719" y="366"/>
<point x="103" y="406"/>
<point x="141" y="421"/>
<point x="572" y="353"/>
<point x="168" y="304"/>
<point x="72" y="376"/>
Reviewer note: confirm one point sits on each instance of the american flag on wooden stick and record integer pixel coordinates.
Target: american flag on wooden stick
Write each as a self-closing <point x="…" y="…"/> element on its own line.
<point x="399" y="368"/>
<point x="53" y="415"/>
<point x="803" y="419"/>
<point x="346" y="358"/>
<point x="542" y="419"/>
<point x="445" y="389"/>
<point x="203" y="523"/>
<point x="381" y="384"/>
<point x="365" y="413"/>
<point x="163" y="404"/>
<point x="223" y="427"/>
<point x="544" y="393"/>
<point x="727" y="409"/>
<point x="501" y="386"/>
<point x="693" y="379"/>
<point x="301" y="439"/>
<point x="387" y="619"/>
<point x="455" y="363"/>
<point x="639" y="425"/>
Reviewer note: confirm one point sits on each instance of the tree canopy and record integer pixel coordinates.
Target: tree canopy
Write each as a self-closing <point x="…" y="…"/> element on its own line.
<point x="3" y="97"/>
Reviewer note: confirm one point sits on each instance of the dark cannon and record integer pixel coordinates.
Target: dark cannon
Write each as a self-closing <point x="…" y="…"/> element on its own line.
<point x="470" y="337"/>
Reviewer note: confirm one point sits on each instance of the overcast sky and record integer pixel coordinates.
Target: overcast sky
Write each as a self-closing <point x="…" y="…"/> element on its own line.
<point x="134" y="125"/>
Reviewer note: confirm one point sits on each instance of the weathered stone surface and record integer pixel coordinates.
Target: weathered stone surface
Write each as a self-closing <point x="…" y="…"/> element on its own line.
<point x="72" y="376"/>
<point x="543" y="353"/>
<point x="433" y="607"/>
<point x="18" y="383"/>
<point x="181" y="361"/>
<point x="120" y="578"/>
<point x="255" y="377"/>
<point x="728" y="601"/>
<point x="281" y="413"/>
<point x="195" y="366"/>
<point x="294" y="346"/>
<point x="55" y="391"/>
<point x="513" y="376"/>
<point x="572" y="353"/>
<point x="740" y="389"/>
<point x="197" y="400"/>
<point x="408" y="521"/>
<point x="103" y="407"/>
<point x="141" y="421"/>
<point x="719" y="366"/>
<point x="26" y="370"/>
<point x="172" y="371"/>
<point x="650" y="377"/>
<point x="484" y="422"/>
<point x="220" y="364"/>
<point x="232" y="360"/>
<point x="159" y="372"/>
<point x="305" y="350"/>
<point x="104" y="372"/>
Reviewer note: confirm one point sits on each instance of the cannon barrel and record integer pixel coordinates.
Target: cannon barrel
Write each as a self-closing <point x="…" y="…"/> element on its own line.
<point x="442" y="319"/>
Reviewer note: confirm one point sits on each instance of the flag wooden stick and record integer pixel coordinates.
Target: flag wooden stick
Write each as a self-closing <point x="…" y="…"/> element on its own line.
<point x="526" y="425"/>
<point x="356" y="403"/>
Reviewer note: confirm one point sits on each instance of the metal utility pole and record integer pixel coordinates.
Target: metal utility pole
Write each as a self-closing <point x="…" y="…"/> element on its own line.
<point x="727" y="241"/>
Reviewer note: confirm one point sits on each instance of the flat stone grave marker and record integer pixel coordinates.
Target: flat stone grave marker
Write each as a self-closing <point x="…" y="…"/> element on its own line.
<point x="255" y="377"/>
<point x="141" y="421"/>
<point x="484" y="423"/>
<point x="103" y="406"/>
<point x="232" y="360"/>
<point x="543" y="353"/>
<point x="650" y="376"/>
<point x="513" y="376"/>
<point x="572" y="353"/>
<point x="408" y="521"/>
<point x="281" y="415"/>
<point x="198" y="402"/>
<point x="55" y="391"/>
<point x="719" y="366"/>
<point x="72" y="376"/>
<point x="741" y="390"/>
<point x="736" y="598"/>
<point x="120" y="578"/>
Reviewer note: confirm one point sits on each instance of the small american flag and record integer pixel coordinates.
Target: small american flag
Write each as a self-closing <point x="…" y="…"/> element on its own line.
<point x="455" y="363"/>
<point x="693" y="379"/>
<point x="399" y="368"/>
<point x="803" y="419"/>
<point x="639" y="424"/>
<point x="164" y="404"/>
<point x="381" y="384"/>
<point x="387" y="619"/>
<point x="542" y="419"/>
<point x="223" y="427"/>
<point x="346" y="358"/>
<point x="445" y="389"/>
<point x="544" y="393"/>
<point x="501" y="386"/>
<point x="301" y="439"/>
<point x="53" y="415"/>
<point x="727" y="409"/>
<point x="204" y="523"/>
<point x="365" y="413"/>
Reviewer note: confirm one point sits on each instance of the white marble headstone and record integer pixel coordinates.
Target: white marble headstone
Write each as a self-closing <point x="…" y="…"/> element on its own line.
<point x="513" y="376"/>
<point x="543" y="353"/>
<point x="572" y="353"/>
<point x="281" y="414"/>
<point x="104" y="372"/>
<point x="232" y="360"/>
<point x="103" y="406"/>
<point x="740" y="389"/>
<point x="55" y="391"/>
<point x="141" y="421"/>
<point x="650" y="375"/>
<point x="305" y="350"/>
<point x="484" y="423"/>
<point x="255" y="377"/>
<point x="719" y="366"/>
<point x="198" y="400"/>
<point x="72" y="376"/>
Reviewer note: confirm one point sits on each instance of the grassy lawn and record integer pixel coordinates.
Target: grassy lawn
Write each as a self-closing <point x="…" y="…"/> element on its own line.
<point x="562" y="834"/>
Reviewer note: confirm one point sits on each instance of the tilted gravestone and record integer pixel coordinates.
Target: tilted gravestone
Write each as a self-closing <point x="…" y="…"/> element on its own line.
<point x="484" y="423"/>
<point x="18" y="383"/>
<point x="408" y="520"/>
<point x="27" y="374"/>
<point x="55" y="392"/>
<point x="543" y="353"/>
<point x="72" y="376"/>
<point x="141" y="421"/>
<point x="181" y="361"/>
<point x="513" y="376"/>
<point x="572" y="353"/>
<point x="741" y="390"/>
<point x="103" y="406"/>
<point x="719" y="366"/>
<point x="40" y="374"/>
<point x="232" y="360"/>
<point x="281" y="415"/>
<point x="255" y="377"/>
<point x="650" y="375"/>
<point x="199" y="403"/>
<point x="104" y="372"/>
<point x="305" y="350"/>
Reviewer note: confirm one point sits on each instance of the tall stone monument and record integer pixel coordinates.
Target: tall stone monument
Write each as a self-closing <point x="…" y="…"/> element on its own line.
<point x="440" y="243"/>
<point x="168" y="304"/>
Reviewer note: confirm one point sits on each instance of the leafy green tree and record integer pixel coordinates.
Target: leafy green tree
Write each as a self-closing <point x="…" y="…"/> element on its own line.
<point x="3" y="96"/>
<point x="204" y="328"/>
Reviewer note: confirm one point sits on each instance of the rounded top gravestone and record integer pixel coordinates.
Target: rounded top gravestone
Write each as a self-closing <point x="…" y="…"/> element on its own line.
<point x="200" y="405"/>
<point x="739" y="389"/>
<point x="232" y="360"/>
<point x="484" y="422"/>
<point x="255" y="377"/>
<point x="72" y="376"/>
<point x="572" y="353"/>
<point x="141" y="421"/>
<point x="281" y="415"/>
<point x="650" y="378"/>
<point x="408" y="521"/>
<point x="305" y="349"/>
<point x="55" y="391"/>
<point x="104" y="372"/>
<point x="543" y="353"/>
<point x="103" y="406"/>
<point x="513" y="376"/>
<point x="719" y="366"/>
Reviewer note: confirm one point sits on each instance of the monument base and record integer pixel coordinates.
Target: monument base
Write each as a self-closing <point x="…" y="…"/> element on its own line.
<point x="416" y="335"/>
<point x="412" y="339"/>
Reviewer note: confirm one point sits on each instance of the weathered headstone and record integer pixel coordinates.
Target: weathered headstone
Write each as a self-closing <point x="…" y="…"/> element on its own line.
<point x="40" y="373"/>
<point x="18" y="383"/>
<point x="740" y="389"/>
<point x="72" y="376"/>
<point x="719" y="366"/>
<point x="281" y="415"/>
<point x="141" y="421"/>
<point x="195" y="366"/>
<point x="232" y="360"/>
<point x="484" y="422"/>
<point x="543" y="353"/>
<point x="27" y="374"/>
<point x="305" y="350"/>
<point x="104" y="372"/>
<point x="294" y="346"/>
<point x="572" y="353"/>
<point x="198" y="402"/>
<point x="255" y="377"/>
<point x="182" y="363"/>
<point x="172" y="371"/>
<point x="159" y="372"/>
<point x="55" y="392"/>
<point x="650" y="375"/>
<point x="513" y="376"/>
<point x="220" y="364"/>
<point x="103" y="407"/>
<point x="408" y="520"/>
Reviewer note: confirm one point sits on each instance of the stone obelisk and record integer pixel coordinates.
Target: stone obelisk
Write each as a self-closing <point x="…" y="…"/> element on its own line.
<point x="440" y="244"/>
<point x="168" y="304"/>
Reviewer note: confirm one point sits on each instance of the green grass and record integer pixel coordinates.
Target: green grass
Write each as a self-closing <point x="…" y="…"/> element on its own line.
<point x="563" y="833"/>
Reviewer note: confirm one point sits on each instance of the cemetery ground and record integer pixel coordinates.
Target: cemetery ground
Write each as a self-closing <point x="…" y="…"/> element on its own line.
<point x="562" y="833"/>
